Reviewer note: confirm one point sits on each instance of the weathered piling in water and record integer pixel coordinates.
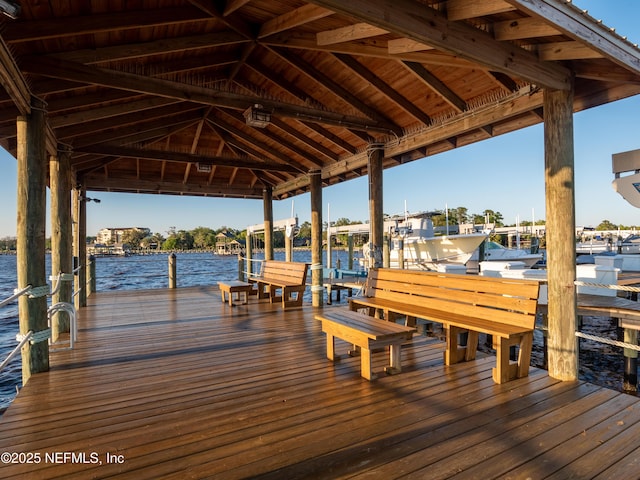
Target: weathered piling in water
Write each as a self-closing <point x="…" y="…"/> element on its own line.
<point x="173" y="281"/>
<point x="91" y="275"/>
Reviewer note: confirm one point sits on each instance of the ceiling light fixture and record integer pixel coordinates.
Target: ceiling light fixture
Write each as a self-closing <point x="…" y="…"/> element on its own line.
<point x="256" y="116"/>
<point x="10" y="9"/>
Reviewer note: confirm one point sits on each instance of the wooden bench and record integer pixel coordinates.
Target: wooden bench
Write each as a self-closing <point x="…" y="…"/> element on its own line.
<point x="230" y="287"/>
<point x="365" y="333"/>
<point x="501" y="307"/>
<point x="289" y="278"/>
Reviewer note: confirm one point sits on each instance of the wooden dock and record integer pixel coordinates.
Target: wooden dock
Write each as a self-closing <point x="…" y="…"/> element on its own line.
<point x="174" y="384"/>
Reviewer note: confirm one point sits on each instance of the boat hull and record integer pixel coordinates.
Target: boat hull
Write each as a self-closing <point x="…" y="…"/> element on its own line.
<point x="426" y="253"/>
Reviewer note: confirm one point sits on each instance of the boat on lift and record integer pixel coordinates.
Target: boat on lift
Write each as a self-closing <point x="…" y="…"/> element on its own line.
<point x="423" y="249"/>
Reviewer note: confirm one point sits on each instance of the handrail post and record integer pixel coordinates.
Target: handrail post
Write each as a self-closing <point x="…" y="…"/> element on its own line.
<point x="172" y="271"/>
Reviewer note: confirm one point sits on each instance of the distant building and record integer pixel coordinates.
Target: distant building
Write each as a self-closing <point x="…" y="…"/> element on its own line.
<point x="112" y="236"/>
<point x="226" y="244"/>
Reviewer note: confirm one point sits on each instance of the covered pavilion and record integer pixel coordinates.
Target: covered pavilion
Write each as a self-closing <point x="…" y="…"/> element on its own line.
<point x="272" y="98"/>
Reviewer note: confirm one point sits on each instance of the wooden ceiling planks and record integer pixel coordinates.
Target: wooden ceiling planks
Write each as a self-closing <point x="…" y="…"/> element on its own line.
<point x="173" y="79"/>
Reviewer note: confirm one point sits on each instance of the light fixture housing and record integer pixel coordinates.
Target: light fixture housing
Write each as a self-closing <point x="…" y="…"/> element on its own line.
<point x="203" y="167"/>
<point x="257" y="116"/>
<point x="10" y="9"/>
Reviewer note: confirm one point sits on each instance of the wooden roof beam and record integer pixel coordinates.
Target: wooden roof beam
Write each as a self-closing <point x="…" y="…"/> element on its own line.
<point x="140" y="132"/>
<point x="368" y="76"/>
<point x="98" y="23"/>
<point x="318" y="147"/>
<point x="299" y="16"/>
<point x="577" y="25"/>
<point x="439" y="87"/>
<point x="410" y="19"/>
<point x="349" y="33"/>
<point x="115" y="184"/>
<point x="364" y="48"/>
<point x="523" y="28"/>
<point x="233" y="5"/>
<point x="337" y="89"/>
<point x="463" y="9"/>
<point x="163" y="155"/>
<point x="50" y="67"/>
<point x="132" y="51"/>
<point x="566" y="51"/>
<point x="236" y="132"/>
<point x="406" y="45"/>
<point x="337" y="141"/>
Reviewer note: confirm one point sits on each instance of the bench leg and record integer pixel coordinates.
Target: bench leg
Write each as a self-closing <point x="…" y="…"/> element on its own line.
<point x="365" y="364"/>
<point x="331" y="348"/>
<point x="395" y="354"/>
<point x="506" y="370"/>
<point x="292" y="297"/>
<point x="524" y="355"/>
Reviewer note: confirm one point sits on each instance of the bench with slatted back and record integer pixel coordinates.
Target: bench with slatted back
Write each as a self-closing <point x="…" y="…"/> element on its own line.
<point x="287" y="278"/>
<point x="501" y="307"/>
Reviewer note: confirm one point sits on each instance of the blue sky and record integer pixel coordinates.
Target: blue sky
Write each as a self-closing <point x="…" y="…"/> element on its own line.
<point x="505" y="174"/>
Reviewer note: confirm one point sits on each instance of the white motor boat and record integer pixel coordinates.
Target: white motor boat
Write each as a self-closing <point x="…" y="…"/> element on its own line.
<point x="494" y="252"/>
<point x="414" y="233"/>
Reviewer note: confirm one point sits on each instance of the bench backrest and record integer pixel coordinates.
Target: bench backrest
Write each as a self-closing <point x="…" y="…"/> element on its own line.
<point x="509" y="301"/>
<point x="284" y="272"/>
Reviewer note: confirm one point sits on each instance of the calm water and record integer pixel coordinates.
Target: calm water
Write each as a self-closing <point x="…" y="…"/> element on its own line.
<point x="121" y="273"/>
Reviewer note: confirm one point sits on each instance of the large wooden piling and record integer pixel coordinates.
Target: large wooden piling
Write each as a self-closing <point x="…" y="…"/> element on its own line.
<point x="61" y="234"/>
<point x="267" y="199"/>
<point x="317" y="290"/>
<point x="80" y="244"/>
<point x="376" y="216"/>
<point x="31" y="216"/>
<point x="561" y="247"/>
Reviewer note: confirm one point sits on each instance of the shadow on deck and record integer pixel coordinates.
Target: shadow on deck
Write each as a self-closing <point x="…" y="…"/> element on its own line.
<point x="176" y="384"/>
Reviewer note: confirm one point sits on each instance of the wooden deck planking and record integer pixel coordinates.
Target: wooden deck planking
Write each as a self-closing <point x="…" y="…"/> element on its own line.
<point x="184" y="386"/>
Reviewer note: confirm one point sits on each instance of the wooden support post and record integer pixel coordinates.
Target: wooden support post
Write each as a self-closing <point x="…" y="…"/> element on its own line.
<point x="350" y="247"/>
<point x="317" y="290"/>
<point x="249" y="253"/>
<point x="80" y="244"/>
<point x="288" y="245"/>
<point x="173" y="282"/>
<point x="61" y="235"/>
<point x="31" y="214"/>
<point x="376" y="217"/>
<point x="560" y="223"/>
<point x="267" y="199"/>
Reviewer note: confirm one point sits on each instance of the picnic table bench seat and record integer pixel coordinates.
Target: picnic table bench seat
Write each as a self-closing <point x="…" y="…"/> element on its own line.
<point x="282" y="282"/>
<point x="501" y="307"/>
